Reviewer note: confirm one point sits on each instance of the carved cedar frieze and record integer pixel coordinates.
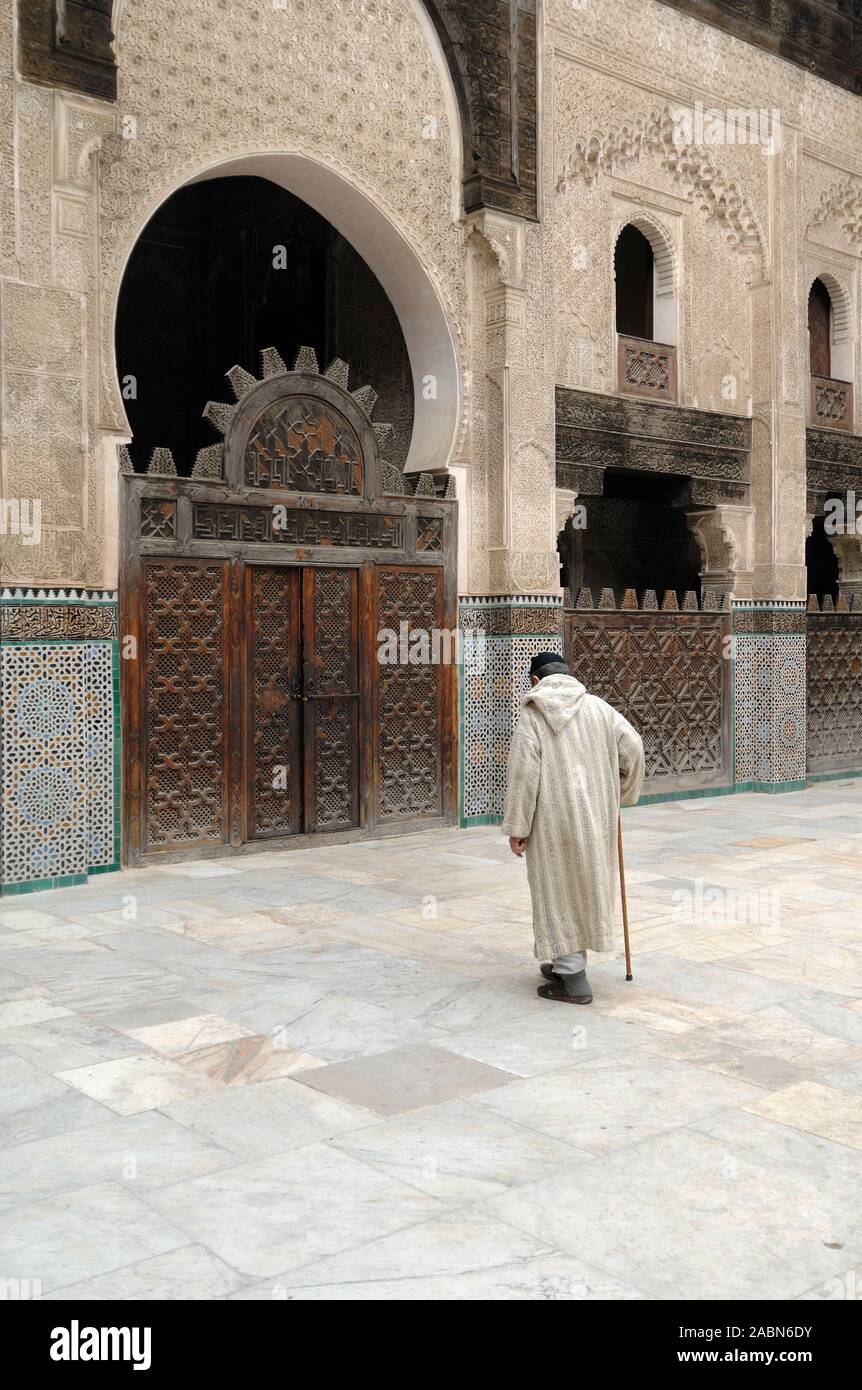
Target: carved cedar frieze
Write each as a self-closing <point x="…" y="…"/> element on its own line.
<point x="597" y="432"/>
<point x="68" y="43"/>
<point x="818" y="35"/>
<point x="296" y="526"/>
<point x="833" y="465"/>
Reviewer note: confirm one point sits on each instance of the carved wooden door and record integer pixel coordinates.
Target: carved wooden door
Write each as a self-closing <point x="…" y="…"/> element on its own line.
<point x="273" y="708"/>
<point x="182" y="755"/>
<point x="330" y="680"/>
<point x="408" y="698"/>
<point x="302" y="704"/>
<point x="256" y="590"/>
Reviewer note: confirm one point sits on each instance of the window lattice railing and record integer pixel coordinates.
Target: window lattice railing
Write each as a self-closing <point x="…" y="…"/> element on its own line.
<point x="831" y="403"/>
<point x="645" y="368"/>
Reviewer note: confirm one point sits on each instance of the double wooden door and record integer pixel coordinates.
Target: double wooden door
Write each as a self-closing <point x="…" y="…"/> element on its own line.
<point x="302" y="730"/>
<point x="261" y="710"/>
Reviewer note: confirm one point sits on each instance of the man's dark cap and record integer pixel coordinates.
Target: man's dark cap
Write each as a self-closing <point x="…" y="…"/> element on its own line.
<point x="548" y="664"/>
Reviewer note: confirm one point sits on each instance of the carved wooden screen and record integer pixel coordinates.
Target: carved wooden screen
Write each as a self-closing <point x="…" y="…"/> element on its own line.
<point x="834" y="661"/>
<point x="666" y="674"/>
<point x="184" y="716"/>
<point x="409" y="753"/>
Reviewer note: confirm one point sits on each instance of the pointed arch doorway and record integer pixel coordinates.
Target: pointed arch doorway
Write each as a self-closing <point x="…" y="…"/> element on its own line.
<point x="257" y="577"/>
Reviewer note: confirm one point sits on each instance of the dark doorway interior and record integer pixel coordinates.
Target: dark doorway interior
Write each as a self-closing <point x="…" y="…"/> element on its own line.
<point x="634" y="538"/>
<point x="228" y="267"/>
<point x="819" y="322"/>
<point x="821" y="562"/>
<point x="633" y="272"/>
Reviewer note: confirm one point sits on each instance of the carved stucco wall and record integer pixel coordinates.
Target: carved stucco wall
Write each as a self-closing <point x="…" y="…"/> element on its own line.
<point x="739" y="220"/>
<point x="203" y="86"/>
<point x="335" y="82"/>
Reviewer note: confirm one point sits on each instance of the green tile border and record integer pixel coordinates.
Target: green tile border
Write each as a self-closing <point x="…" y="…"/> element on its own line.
<point x="813" y="777"/>
<point x="12" y="890"/>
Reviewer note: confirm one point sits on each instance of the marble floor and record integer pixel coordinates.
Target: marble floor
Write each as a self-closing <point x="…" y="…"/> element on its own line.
<point x="326" y="1074"/>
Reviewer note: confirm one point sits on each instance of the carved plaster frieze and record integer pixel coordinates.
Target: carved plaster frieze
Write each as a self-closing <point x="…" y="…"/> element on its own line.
<point x="659" y="133"/>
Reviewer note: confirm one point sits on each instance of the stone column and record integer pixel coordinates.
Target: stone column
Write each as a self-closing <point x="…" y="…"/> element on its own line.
<point x="515" y="569"/>
<point x="59" y="651"/>
<point x="768" y="617"/>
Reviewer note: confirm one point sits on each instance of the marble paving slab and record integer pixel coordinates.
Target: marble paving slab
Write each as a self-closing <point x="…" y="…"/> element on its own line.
<point x="406" y="1078"/>
<point x="278" y="1214"/>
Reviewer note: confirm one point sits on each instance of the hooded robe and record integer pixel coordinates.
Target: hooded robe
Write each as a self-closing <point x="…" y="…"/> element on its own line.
<point x="573" y="761"/>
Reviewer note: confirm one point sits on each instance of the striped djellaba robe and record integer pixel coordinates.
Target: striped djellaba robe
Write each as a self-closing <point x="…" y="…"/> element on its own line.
<point x="573" y="761"/>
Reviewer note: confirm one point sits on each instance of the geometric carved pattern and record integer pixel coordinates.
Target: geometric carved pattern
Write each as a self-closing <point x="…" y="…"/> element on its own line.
<point x="408" y="726"/>
<point x="831" y="403"/>
<point x="834" y="691"/>
<point x="276" y="772"/>
<point x="429" y="533"/>
<point x="665" y="676"/>
<point x="333" y="688"/>
<point x="158" y="518"/>
<point x="305" y="446"/>
<point x="296" y="526"/>
<point x="184" y="703"/>
<point x="646" y="369"/>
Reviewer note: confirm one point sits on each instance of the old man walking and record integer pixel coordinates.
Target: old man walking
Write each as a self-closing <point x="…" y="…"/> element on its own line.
<point x="574" y="760"/>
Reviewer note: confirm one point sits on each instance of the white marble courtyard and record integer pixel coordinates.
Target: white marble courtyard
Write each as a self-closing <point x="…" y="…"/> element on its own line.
<point x="326" y="1074"/>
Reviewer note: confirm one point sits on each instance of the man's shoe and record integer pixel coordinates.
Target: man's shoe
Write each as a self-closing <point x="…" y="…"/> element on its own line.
<point x="549" y="972"/>
<point x="567" y="989"/>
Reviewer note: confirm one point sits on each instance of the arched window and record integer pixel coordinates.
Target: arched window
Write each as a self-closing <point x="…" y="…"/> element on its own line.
<point x="820" y="329"/>
<point x="830" y="354"/>
<point x="634" y="272"/>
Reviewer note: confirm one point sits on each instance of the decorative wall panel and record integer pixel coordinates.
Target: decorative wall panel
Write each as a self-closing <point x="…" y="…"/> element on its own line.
<point x="294" y="526"/>
<point x="769" y="694"/>
<point x="834" y="691"/>
<point x="303" y="445"/>
<point x="409" y="751"/>
<point x="185" y="693"/>
<point x="665" y="673"/>
<point x="59" y="752"/>
<point x="500" y="637"/>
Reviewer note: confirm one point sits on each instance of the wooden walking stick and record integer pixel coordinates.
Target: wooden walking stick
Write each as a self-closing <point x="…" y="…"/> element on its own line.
<point x="629" y="975"/>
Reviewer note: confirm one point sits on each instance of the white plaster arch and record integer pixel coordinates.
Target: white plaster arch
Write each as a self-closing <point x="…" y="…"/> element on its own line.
<point x="424" y="321"/>
<point x="841" y="320"/>
<point x="665" y="274"/>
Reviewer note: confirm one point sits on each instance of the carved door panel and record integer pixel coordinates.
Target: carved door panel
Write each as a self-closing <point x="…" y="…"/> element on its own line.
<point x="408" y="697"/>
<point x="330" y="669"/>
<point x="274" y="775"/>
<point x="184" y="669"/>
